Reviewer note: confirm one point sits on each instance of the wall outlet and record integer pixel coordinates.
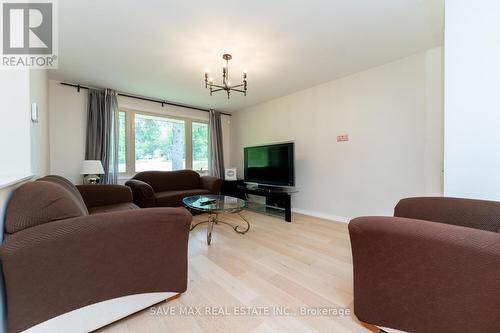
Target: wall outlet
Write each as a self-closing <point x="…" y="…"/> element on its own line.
<point x="342" y="138"/>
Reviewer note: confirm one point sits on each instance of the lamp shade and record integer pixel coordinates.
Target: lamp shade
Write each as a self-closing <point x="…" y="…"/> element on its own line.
<point x="92" y="167"/>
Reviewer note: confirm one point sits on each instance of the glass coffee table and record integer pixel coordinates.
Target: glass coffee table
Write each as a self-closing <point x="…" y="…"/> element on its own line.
<point x="215" y="205"/>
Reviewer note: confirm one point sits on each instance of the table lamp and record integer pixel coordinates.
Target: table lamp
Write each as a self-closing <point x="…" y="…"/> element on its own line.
<point x="91" y="169"/>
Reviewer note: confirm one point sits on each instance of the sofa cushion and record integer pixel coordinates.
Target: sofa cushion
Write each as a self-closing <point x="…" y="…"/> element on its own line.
<point x="162" y="181"/>
<point x="174" y="198"/>
<point x="72" y="189"/>
<point x="40" y="202"/>
<point x="113" y="208"/>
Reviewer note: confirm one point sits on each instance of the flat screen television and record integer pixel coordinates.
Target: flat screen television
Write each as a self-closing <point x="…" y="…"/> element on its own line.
<point x="270" y="164"/>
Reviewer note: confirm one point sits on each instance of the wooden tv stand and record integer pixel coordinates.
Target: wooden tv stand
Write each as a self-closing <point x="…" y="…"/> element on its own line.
<point x="278" y="199"/>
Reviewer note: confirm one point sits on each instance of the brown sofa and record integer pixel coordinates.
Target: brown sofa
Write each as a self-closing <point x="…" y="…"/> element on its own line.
<point x="433" y="267"/>
<point x="69" y="247"/>
<point x="168" y="188"/>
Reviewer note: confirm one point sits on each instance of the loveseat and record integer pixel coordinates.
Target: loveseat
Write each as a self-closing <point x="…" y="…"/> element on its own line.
<point x="67" y="247"/>
<point x="168" y="188"/>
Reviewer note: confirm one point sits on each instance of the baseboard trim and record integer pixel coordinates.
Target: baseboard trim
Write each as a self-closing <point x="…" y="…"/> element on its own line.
<point x="330" y="217"/>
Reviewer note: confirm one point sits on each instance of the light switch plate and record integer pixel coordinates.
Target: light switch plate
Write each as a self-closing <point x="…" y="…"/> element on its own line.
<point x="34" y="112"/>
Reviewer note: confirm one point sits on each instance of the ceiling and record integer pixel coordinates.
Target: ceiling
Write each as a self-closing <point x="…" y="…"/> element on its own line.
<point x="160" y="48"/>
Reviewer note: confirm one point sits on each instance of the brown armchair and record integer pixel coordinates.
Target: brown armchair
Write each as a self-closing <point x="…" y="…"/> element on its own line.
<point x="434" y="267"/>
<point x="106" y="198"/>
<point x="58" y="258"/>
<point x="168" y="188"/>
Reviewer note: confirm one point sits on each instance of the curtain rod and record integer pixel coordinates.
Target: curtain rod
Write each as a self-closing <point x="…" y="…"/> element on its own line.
<point x="79" y="86"/>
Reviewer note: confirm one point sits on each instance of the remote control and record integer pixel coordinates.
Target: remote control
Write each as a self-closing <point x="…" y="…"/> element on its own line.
<point x="208" y="202"/>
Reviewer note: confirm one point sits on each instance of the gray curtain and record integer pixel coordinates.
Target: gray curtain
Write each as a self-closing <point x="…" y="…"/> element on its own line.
<point x="102" y="132"/>
<point x="216" y="165"/>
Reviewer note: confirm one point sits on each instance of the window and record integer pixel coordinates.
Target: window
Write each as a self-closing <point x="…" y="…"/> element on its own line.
<point x="159" y="143"/>
<point x="200" y="146"/>
<point x="155" y="142"/>
<point x="122" y="148"/>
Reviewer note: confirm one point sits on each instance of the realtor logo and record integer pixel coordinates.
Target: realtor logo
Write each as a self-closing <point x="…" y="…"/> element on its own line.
<point x="28" y="34"/>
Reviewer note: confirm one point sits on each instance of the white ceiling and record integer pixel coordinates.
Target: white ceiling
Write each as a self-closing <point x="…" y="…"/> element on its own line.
<point x="160" y="48"/>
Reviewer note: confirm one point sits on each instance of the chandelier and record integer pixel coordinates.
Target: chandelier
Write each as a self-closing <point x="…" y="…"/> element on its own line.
<point x="226" y="83"/>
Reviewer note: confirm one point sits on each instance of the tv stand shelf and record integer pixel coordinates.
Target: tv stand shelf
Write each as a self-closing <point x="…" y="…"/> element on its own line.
<point x="278" y="199"/>
<point x="267" y="210"/>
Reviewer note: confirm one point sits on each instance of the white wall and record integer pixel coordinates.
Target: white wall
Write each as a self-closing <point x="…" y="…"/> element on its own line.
<point x="23" y="144"/>
<point x="393" y="116"/>
<point x="39" y="94"/>
<point x="15" y="156"/>
<point x="472" y="90"/>
<point x="67" y="130"/>
<point x="68" y="119"/>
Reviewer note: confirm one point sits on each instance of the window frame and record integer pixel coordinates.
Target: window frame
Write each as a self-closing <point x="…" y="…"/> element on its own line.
<point x="130" y="138"/>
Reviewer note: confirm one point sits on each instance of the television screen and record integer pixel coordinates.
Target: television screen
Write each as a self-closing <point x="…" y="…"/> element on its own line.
<point x="271" y="164"/>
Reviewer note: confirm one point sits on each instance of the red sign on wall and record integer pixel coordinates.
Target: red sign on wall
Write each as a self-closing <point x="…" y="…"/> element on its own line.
<point x="342" y="138"/>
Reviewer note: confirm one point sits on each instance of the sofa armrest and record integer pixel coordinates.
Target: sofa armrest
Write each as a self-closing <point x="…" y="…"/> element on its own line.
<point x="143" y="193"/>
<point x="102" y="195"/>
<point x="211" y="183"/>
<point x="422" y="276"/>
<point x="479" y="214"/>
<point x="61" y="266"/>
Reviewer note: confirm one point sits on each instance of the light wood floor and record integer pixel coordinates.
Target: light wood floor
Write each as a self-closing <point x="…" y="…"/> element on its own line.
<point x="278" y="265"/>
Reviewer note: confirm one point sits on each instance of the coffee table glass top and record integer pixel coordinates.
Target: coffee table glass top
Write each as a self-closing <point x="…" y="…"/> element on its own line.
<point x="220" y="204"/>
